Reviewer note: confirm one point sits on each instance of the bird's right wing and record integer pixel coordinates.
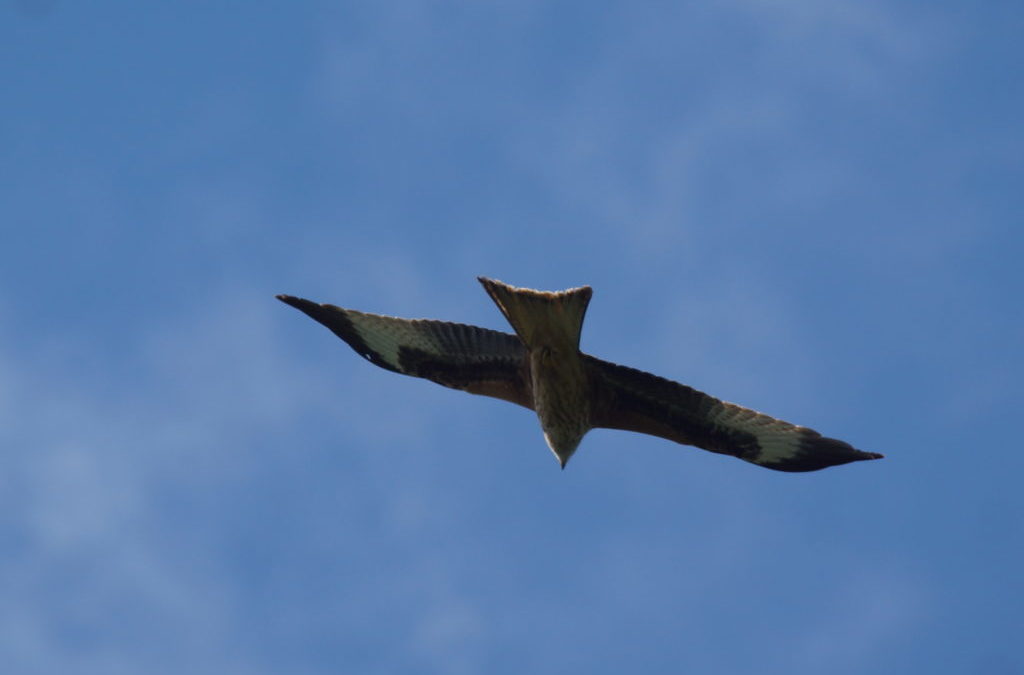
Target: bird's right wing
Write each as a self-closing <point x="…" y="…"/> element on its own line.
<point x="473" y="359"/>
<point x="633" y="400"/>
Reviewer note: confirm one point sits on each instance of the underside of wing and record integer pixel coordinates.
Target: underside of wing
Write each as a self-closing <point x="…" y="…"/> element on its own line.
<point x="633" y="400"/>
<point x="473" y="359"/>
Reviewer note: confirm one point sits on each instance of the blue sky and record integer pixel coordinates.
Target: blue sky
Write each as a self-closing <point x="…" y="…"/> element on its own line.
<point x="810" y="208"/>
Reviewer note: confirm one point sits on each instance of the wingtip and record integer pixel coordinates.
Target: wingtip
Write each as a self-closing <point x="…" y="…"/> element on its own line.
<point x="298" y="303"/>
<point x="488" y="283"/>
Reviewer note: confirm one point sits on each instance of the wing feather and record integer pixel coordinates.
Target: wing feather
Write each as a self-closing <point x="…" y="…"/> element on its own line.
<point x="633" y="400"/>
<point x="469" y="358"/>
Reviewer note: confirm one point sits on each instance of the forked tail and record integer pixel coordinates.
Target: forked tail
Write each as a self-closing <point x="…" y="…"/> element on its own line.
<point x="542" y="317"/>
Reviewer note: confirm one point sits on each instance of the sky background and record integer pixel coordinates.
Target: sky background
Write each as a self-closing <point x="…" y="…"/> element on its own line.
<point x="809" y="207"/>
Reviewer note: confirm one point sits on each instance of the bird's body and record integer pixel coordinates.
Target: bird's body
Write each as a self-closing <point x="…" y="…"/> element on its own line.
<point x="549" y="325"/>
<point x="561" y="397"/>
<point x="542" y="368"/>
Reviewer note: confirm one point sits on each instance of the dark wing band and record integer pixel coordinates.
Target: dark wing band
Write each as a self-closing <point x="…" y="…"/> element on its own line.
<point x="637" y="401"/>
<point x="469" y="358"/>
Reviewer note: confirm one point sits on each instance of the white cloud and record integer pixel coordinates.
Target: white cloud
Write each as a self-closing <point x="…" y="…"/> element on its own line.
<point x="125" y="497"/>
<point x="449" y="634"/>
<point x="872" y="611"/>
<point x="92" y="554"/>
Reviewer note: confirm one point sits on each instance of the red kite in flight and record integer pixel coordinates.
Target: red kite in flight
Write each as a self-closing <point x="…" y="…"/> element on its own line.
<point x="542" y="368"/>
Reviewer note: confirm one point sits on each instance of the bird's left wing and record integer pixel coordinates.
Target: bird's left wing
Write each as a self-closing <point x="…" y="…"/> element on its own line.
<point x="473" y="359"/>
<point x="629" y="399"/>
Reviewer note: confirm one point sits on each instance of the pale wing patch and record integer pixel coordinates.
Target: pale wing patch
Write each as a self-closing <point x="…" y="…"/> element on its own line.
<point x="385" y="336"/>
<point x="785" y="446"/>
<point x="778" y="448"/>
<point x="777" y="440"/>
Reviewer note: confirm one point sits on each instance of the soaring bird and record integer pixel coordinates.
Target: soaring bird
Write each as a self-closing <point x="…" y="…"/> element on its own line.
<point x="542" y="368"/>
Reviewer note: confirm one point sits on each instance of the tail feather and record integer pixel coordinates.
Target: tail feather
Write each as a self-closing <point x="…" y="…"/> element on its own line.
<point x="542" y="317"/>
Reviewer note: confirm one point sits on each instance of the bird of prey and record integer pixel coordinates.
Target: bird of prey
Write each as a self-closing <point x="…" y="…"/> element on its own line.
<point x="542" y="368"/>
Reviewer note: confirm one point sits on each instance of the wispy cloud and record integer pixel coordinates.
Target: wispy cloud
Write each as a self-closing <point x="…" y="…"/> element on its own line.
<point x="90" y="465"/>
<point x="873" y="611"/>
<point x="208" y="482"/>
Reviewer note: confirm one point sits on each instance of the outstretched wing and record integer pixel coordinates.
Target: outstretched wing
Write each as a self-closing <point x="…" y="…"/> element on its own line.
<point x="637" y="401"/>
<point x="469" y="358"/>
